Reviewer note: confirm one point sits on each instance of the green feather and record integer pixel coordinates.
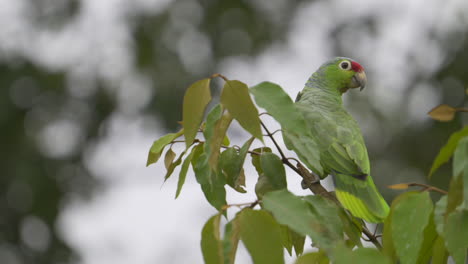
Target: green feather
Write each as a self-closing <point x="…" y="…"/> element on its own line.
<point x="343" y="153"/>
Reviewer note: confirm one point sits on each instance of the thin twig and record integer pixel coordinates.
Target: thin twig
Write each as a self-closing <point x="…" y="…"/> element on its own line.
<point x="426" y="187"/>
<point x="250" y="205"/>
<point x="219" y="75"/>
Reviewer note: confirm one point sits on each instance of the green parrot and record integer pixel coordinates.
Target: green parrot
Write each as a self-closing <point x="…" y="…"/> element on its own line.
<point x="343" y="153"/>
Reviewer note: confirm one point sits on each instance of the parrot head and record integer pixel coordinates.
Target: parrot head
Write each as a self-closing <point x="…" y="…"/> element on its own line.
<point x="343" y="74"/>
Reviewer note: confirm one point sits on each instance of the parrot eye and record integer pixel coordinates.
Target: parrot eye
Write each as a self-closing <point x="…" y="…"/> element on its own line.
<point x="345" y="65"/>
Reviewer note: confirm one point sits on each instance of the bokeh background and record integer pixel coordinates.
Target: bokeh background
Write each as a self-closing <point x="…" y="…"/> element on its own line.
<point x="87" y="85"/>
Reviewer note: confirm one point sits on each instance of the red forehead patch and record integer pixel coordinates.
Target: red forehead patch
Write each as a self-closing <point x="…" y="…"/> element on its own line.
<point x="356" y="66"/>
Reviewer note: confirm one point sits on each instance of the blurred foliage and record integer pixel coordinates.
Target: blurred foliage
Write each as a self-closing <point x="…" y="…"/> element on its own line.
<point x="36" y="184"/>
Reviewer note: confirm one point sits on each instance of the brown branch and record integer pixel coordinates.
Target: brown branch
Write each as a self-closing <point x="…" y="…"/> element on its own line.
<point x="312" y="182"/>
<point x="219" y="75"/>
<point x="250" y="205"/>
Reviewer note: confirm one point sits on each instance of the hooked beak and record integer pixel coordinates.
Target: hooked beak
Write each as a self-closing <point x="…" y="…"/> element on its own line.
<point x="359" y="80"/>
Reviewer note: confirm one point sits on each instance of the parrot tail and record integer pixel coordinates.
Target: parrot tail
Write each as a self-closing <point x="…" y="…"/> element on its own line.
<point x="361" y="198"/>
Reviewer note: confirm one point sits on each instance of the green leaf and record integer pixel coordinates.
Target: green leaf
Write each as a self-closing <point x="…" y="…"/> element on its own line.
<point x="304" y="218"/>
<point x="231" y="240"/>
<point x="273" y="169"/>
<point x="352" y="227"/>
<point x="169" y="158"/>
<point x="410" y="217"/>
<point x="439" y="214"/>
<point x="328" y="212"/>
<point x="360" y="255"/>
<point x="460" y="165"/>
<point x="216" y="140"/>
<point x="439" y="252"/>
<point x="296" y="135"/>
<point x="196" y="99"/>
<point x="211" y="244"/>
<point x="236" y="99"/>
<point x="455" y="195"/>
<point x="173" y="165"/>
<point x="313" y="258"/>
<point x="212" y="183"/>
<point x="298" y="241"/>
<point x="184" y="169"/>
<point x="456" y="235"/>
<point x="256" y="158"/>
<point x="387" y="239"/>
<point x="231" y="165"/>
<point x="260" y="234"/>
<point x="158" y="146"/>
<point x="446" y="151"/>
<point x="430" y="236"/>
<point x="286" y="238"/>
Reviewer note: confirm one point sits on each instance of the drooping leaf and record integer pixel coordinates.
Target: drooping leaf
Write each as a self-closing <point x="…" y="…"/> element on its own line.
<point x="447" y="150"/>
<point x="231" y="165"/>
<point x="236" y="99"/>
<point x="456" y="235"/>
<point x="328" y="212"/>
<point x="273" y="169"/>
<point x="184" y="169"/>
<point x="196" y="99"/>
<point x="231" y="240"/>
<point x="173" y="165"/>
<point x="158" y="146"/>
<point x="212" y="183"/>
<point x="301" y="217"/>
<point x="260" y="234"/>
<point x="296" y="135"/>
<point x="442" y="113"/>
<point x="313" y="258"/>
<point x="409" y="219"/>
<point x="460" y="165"/>
<point x="343" y="255"/>
<point x="169" y="158"/>
<point x="211" y="244"/>
<point x="216" y="140"/>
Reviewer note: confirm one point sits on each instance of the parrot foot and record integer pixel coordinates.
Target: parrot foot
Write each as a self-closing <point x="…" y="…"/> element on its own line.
<point x="306" y="184"/>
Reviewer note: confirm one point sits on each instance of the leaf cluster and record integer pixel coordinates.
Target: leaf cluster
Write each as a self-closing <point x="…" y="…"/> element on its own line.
<point x="416" y="231"/>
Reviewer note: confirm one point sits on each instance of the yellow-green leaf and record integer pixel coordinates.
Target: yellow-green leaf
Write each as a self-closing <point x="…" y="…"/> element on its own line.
<point x="184" y="169"/>
<point x="442" y="113"/>
<point x="196" y="99"/>
<point x="158" y="146"/>
<point x="169" y="158"/>
<point x="236" y="99"/>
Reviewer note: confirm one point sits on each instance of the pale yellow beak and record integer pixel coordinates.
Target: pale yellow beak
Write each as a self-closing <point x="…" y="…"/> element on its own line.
<point x="359" y="80"/>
